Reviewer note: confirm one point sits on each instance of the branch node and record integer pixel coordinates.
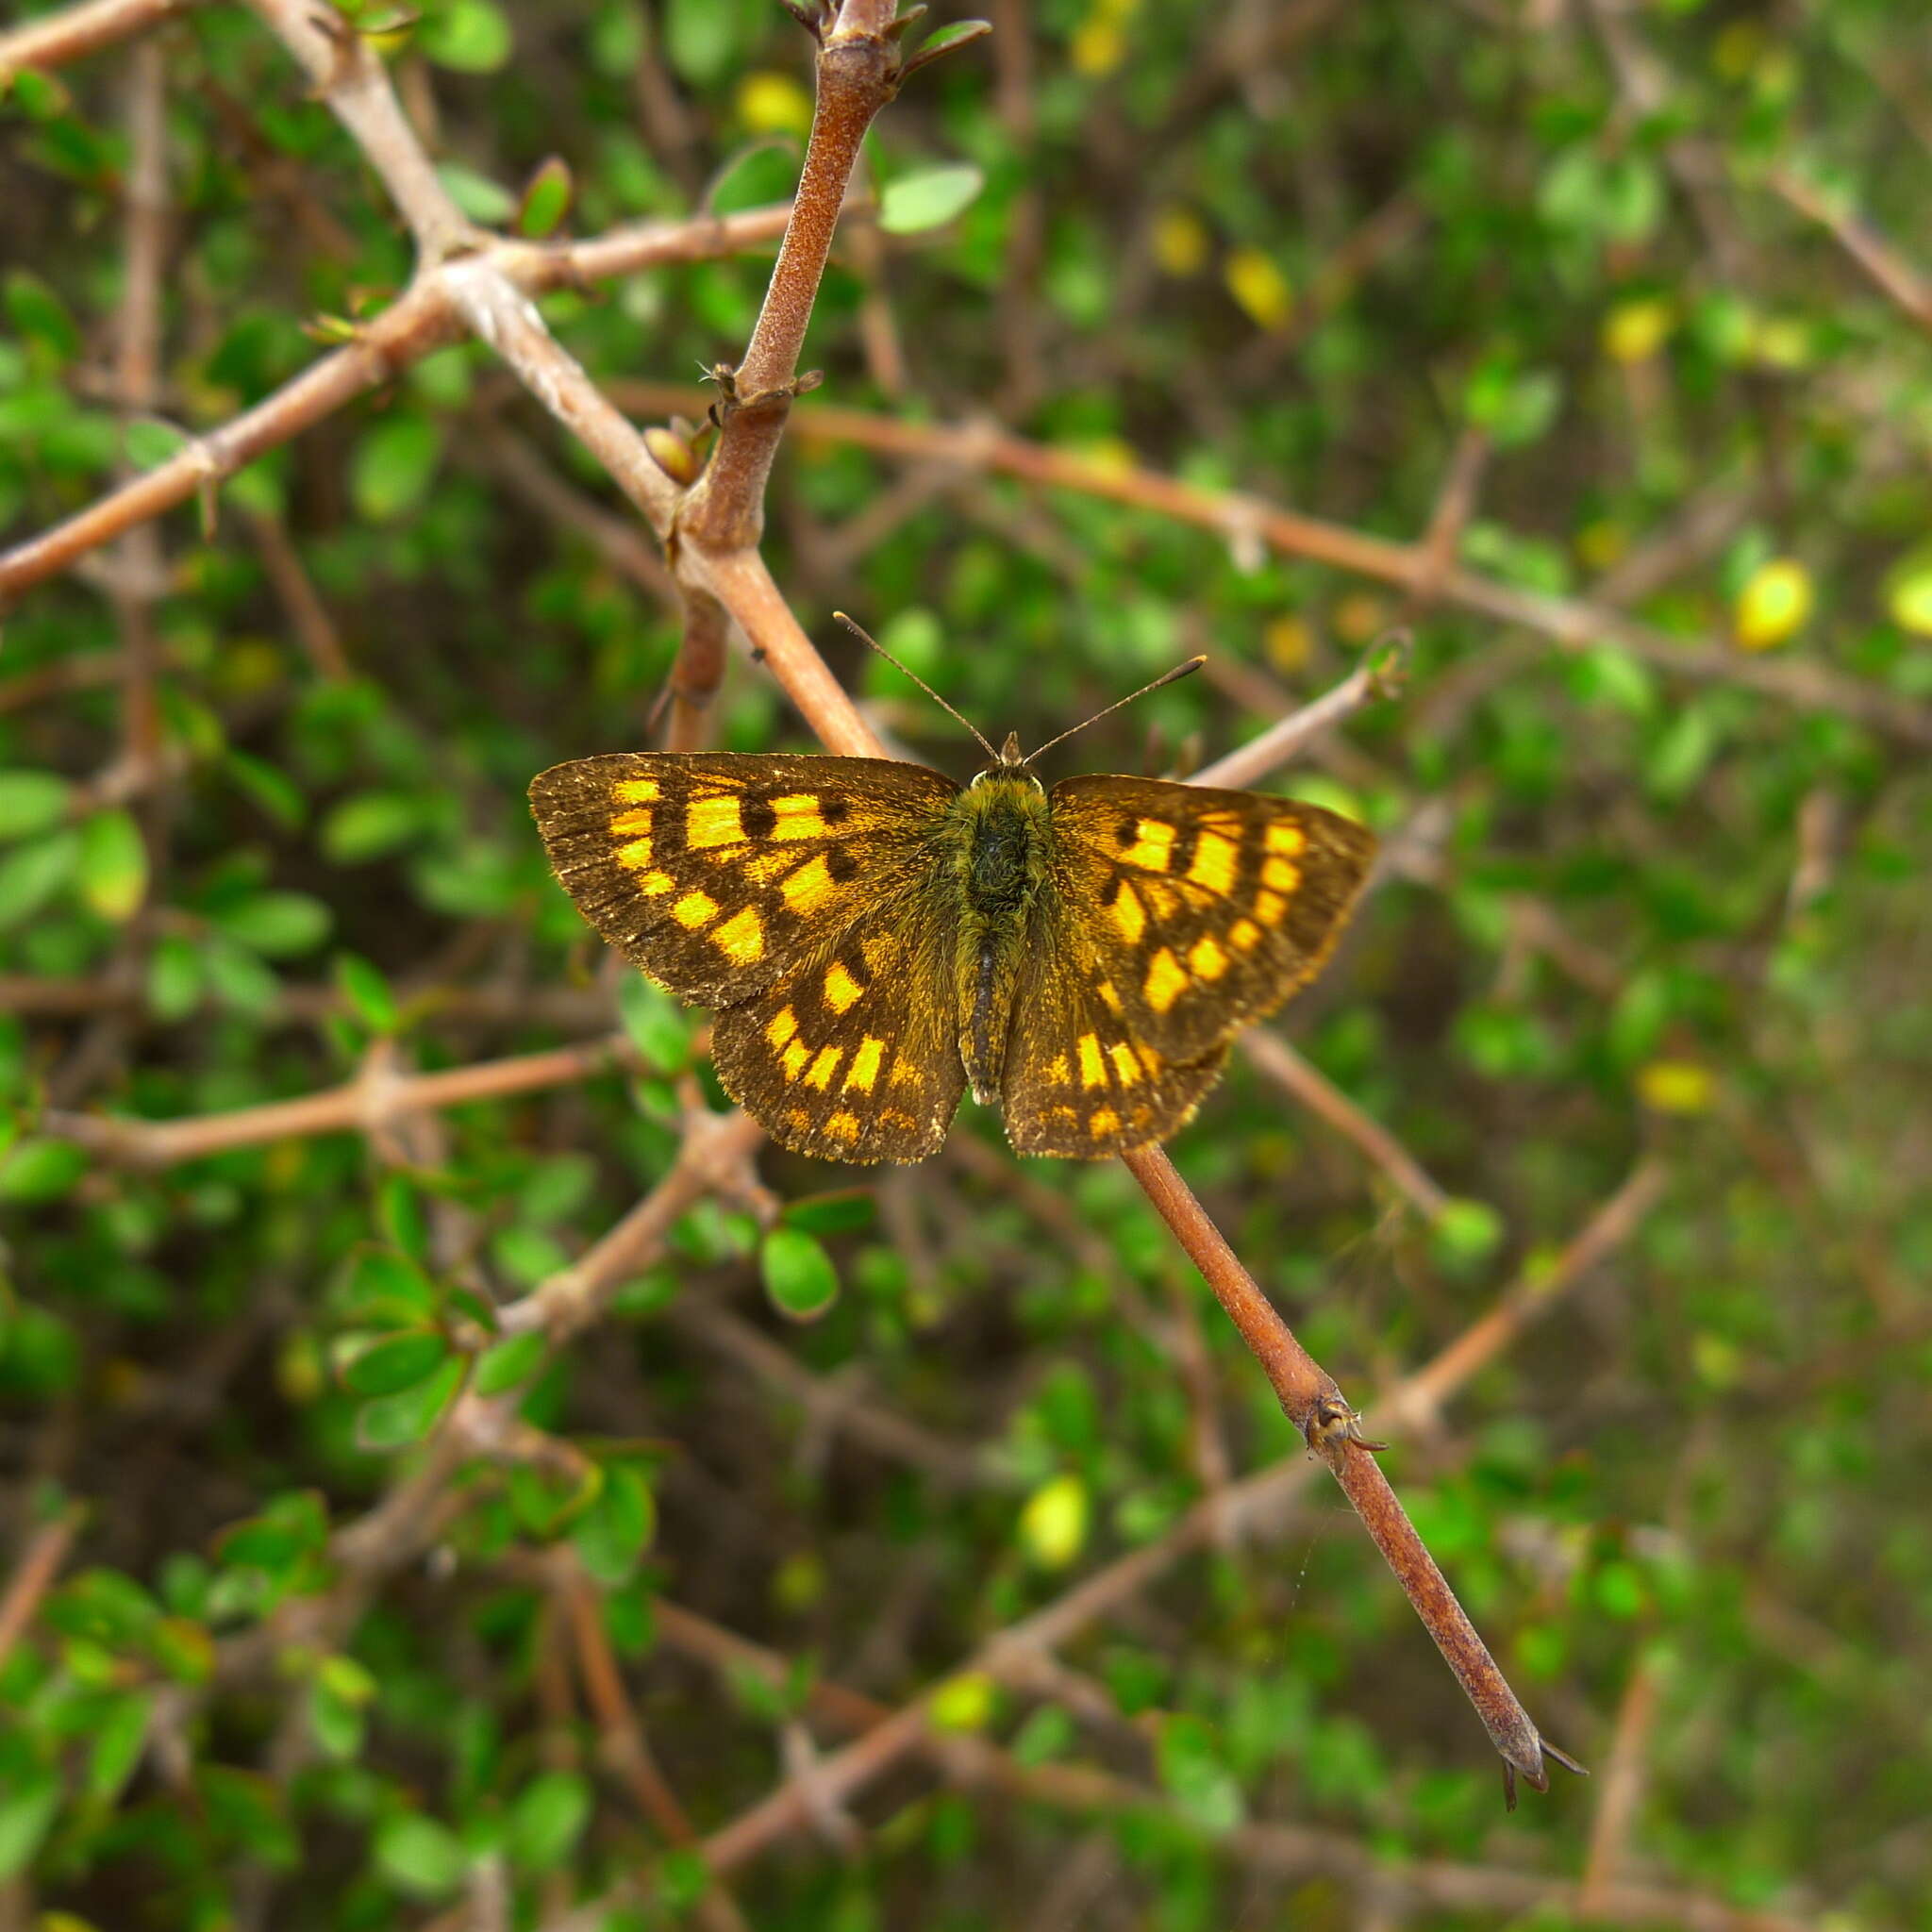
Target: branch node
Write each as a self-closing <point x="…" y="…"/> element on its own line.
<point x="1331" y="1426"/>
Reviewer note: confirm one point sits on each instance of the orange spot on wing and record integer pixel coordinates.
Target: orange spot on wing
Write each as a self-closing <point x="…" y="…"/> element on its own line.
<point x="1216" y="863"/>
<point x="1166" y="980"/>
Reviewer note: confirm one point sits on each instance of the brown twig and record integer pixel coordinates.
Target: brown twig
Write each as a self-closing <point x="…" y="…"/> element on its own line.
<point x="1282" y="1064"/>
<point x="1571" y="624"/>
<point x="1312" y="1401"/>
<point x="857" y="72"/>
<point x="360" y="1105"/>
<point x="1621" y="1791"/>
<point x="33" y="1576"/>
<point x="714" y="1156"/>
<point x="624" y="1746"/>
<point x="1887" y="269"/>
<point x="77" y="31"/>
<point x="1379" y="676"/>
<point x="1290" y="1851"/>
<point x="314" y="628"/>
<point x="422" y="319"/>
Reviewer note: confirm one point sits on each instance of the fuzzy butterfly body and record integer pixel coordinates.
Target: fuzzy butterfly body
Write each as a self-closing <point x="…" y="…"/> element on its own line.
<point x="876" y="938"/>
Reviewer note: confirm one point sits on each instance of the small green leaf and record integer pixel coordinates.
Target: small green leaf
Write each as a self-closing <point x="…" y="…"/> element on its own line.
<point x="764" y="173"/>
<point x="420" y="1854"/>
<point x="278" y="924"/>
<point x="704" y="38"/>
<point x="394" y="1422"/>
<point x="547" y="1819"/>
<point x="656" y="1023"/>
<point x="389" y="1288"/>
<point x="31" y="801"/>
<point x="337" y="1725"/>
<point x="477" y="195"/>
<point x="237" y="978"/>
<point x="394" y="467"/>
<point x="618" y="1526"/>
<point x="113" y="865"/>
<point x="946" y="40"/>
<point x="41" y="319"/>
<point x="399" y="1207"/>
<point x="509" y="1363"/>
<point x="115" y="1740"/>
<point x="36" y="1169"/>
<point x="546" y="199"/>
<point x="26" y="1809"/>
<point x="799" y="1275"/>
<point x="841" y="1212"/>
<point x="269" y="787"/>
<point x="396" y="1362"/>
<point x="930" y="198"/>
<point x="30" y="875"/>
<point x="371" y="825"/>
<point x="468" y="36"/>
<point x="149" y="443"/>
<point x="174" y="977"/>
<point x="367" y="993"/>
<point x="1191" y="1767"/>
<point x="1466" y="1233"/>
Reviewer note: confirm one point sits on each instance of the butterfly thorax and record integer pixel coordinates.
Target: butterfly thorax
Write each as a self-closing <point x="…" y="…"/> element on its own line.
<point x="998" y="834"/>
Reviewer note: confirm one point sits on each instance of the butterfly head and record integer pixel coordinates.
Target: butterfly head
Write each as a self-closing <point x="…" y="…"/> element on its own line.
<point x="1010" y="766"/>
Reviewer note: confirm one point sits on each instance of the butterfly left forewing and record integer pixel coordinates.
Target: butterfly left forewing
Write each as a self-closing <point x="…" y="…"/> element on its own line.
<point x="1200" y="910"/>
<point x="715" y="872"/>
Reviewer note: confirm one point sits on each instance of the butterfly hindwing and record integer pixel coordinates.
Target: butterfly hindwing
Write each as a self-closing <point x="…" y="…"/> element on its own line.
<point x="717" y="873"/>
<point x="1080" y="1081"/>
<point x="1195" y="910"/>
<point x="853" y="1055"/>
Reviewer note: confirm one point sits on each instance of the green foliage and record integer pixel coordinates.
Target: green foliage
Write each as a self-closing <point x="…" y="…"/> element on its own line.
<point x="324" y="1523"/>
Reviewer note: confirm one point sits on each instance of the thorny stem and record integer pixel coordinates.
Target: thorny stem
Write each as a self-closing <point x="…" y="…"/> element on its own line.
<point x="1312" y="1401"/>
<point x="425" y="318"/>
<point x="858" y="70"/>
<point x="76" y="31"/>
<point x="1571" y="624"/>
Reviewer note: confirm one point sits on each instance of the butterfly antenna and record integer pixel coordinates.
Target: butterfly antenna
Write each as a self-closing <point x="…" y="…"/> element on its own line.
<point x="1179" y="671"/>
<point x="866" y="638"/>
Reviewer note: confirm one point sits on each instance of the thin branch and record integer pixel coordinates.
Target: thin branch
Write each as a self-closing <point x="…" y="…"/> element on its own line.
<point x="1621" y="1791"/>
<point x="364" y="1105"/>
<point x="422" y="319"/>
<point x="714" y="1156"/>
<point x="857" y="72"/>
<point x="622" y="1742"/>
<point x="349" y="75"/>
<point x="77" y="31"/>
<point x="1887" y="269"/>
<point x="523" y="469"/>
<point x="39" y="1564"/>
<point x="952" y="1465"/>
<point x="1572" y="624"/>
<point x="1291" y="1851"/>
<point x="138" y="567"/>
<point x="1275" y="1058"/>
<point x="308" y="617"/>
<point x="1312" y="1401"/>
<point x="1379" y="676"/>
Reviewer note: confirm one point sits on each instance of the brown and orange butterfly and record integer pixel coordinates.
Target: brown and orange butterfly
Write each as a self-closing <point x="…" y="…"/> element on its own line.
<point x="876" y="938"/>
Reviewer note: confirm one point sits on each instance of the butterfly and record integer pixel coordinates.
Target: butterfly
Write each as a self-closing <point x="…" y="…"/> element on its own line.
<point x="876" y="938"/>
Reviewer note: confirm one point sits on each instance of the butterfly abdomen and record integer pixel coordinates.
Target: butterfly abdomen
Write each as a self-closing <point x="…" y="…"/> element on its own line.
<point x="999" y="827"/>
